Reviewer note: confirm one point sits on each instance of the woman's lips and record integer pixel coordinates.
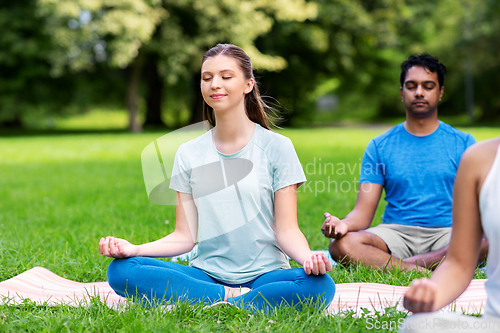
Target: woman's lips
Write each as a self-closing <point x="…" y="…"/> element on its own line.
<point x="218" y="96"/>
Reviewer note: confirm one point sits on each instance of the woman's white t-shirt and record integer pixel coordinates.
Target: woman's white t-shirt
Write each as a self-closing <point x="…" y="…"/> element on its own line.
<point x="234" y="196"/>
<point x="489" y="204"/>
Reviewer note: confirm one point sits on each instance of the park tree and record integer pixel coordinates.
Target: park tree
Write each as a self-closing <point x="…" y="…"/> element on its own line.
<point x="355" y="48"/>
<point x="195" y="26"/>
<point x="349" y="49"/>
<point x="89" y="32"/>
<point x="25" y="81"/>
<point x="466" y="34"/>
<point x="482" y="47"/>
<point x="55" y="53"/>
<point x="165" y="38"/>
<point x="46" y="45"/>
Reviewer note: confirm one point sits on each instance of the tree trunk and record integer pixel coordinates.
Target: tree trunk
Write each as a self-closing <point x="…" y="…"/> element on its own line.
<point x="155" y="88"/>
<point x="14" y="122"/>
<point x="133" y="94"/>
<point x="197" y="107"/>
<point x="489" y="113"/>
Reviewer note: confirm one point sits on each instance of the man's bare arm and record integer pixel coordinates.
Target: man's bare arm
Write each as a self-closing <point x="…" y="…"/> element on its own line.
<point x="360" y="217"/>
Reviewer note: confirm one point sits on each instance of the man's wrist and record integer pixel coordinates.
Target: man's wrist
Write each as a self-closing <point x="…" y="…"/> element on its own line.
<point x="347" y="224"/>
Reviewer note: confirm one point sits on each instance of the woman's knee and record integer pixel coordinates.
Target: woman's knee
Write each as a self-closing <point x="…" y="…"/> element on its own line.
<point x="327" y="286"/>
<point x="119" y="270"/>
<point x="320" y="286"/>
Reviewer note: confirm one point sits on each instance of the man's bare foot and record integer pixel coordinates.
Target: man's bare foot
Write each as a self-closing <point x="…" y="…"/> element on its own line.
<point x="404" y="265"/>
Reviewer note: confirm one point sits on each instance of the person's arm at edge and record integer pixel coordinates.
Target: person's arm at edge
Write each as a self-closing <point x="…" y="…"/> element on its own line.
<point x="426" y="295"/>
<point x="290" y="238"/>
<point x="180" y="241"/>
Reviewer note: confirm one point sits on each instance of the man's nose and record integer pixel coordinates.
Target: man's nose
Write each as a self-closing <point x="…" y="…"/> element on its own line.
<point x="419" y="91"/>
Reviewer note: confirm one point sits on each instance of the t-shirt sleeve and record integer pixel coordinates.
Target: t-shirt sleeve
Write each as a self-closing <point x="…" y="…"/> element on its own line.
<point x="372" y="169"/>
<point x="286" y="167"/>
<point x="181" y="173"/>
<point x="469" y="141"/>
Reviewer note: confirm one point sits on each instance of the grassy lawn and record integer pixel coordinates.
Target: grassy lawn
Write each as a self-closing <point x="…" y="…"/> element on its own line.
<point x="61" y="194"/>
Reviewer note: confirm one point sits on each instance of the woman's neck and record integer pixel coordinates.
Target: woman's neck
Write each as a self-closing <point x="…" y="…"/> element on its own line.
<point x="232" y="132"/>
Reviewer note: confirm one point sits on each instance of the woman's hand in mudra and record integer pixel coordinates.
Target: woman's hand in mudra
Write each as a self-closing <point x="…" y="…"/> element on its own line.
<point x="317" y="264"/>
<point x="117" y="248"/>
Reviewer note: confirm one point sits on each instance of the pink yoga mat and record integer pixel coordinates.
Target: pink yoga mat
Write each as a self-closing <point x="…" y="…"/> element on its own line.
<point x="42" y="286"/>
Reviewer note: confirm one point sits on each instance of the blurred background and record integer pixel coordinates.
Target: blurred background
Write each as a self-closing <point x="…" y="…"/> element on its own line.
<point x="133" y="65"/>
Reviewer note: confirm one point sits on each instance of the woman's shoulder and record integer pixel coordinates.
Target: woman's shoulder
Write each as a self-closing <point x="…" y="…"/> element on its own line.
<point x="203" y="140"/>
<point x="482" y="150"/>
<point x="477" y="160"/>
<point x="268" y="139"/>
<point x="193" y="148"/>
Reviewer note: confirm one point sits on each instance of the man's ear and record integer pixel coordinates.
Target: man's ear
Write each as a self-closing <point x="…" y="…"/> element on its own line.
<point x="249" y="86"/>
<point x="401" y="93"/>
<point x="441" y="92"/>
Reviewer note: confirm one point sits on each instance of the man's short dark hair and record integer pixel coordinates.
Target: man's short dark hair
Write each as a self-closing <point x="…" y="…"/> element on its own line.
<point x="426" y="61"/>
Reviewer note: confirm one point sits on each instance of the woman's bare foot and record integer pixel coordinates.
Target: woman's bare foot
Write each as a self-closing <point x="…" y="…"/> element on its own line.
<point x="234" y="292"/>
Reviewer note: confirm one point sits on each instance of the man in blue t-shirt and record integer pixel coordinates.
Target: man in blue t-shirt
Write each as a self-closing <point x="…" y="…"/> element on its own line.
<point x="415" y="163"/>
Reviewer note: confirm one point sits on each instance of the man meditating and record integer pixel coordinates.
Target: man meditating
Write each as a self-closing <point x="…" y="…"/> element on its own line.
<point x="415" y="163"/>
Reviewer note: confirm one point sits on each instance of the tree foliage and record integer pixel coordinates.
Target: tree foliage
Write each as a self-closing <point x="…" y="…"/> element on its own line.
<point x="59" y="53"/>
<point x="24" y="62"/>
<point x="90" y="31"/>
<point x="171" y="33"/>
<point x="349" y="47"/>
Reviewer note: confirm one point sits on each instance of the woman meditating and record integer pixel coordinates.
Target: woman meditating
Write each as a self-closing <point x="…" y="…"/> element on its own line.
<point x="476" y="211"/>
<point x="246" y="228"/>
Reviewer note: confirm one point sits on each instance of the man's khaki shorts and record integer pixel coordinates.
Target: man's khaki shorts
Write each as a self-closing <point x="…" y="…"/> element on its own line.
<point x="405" y="241"/>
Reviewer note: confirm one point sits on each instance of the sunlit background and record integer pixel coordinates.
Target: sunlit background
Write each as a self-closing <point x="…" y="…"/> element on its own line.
<point x="134" y="64"/>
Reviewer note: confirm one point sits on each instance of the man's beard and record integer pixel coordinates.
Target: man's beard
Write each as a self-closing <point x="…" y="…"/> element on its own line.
<point x="423" y="115"/>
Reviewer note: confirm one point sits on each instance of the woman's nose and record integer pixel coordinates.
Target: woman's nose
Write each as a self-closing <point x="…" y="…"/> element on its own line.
<point x="216" y="83"/>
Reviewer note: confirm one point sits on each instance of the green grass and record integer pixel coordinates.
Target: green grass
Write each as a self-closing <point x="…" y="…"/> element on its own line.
<point x="97" y="119"/>
<point x="61" y="193"/>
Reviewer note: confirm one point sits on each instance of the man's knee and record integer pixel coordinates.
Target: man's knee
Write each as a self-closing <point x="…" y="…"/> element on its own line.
<point x="340" y="249"/>
<point x="344" y="249"/>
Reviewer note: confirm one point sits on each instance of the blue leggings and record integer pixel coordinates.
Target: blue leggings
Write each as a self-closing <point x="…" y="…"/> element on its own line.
<point x="150" y="280"/>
